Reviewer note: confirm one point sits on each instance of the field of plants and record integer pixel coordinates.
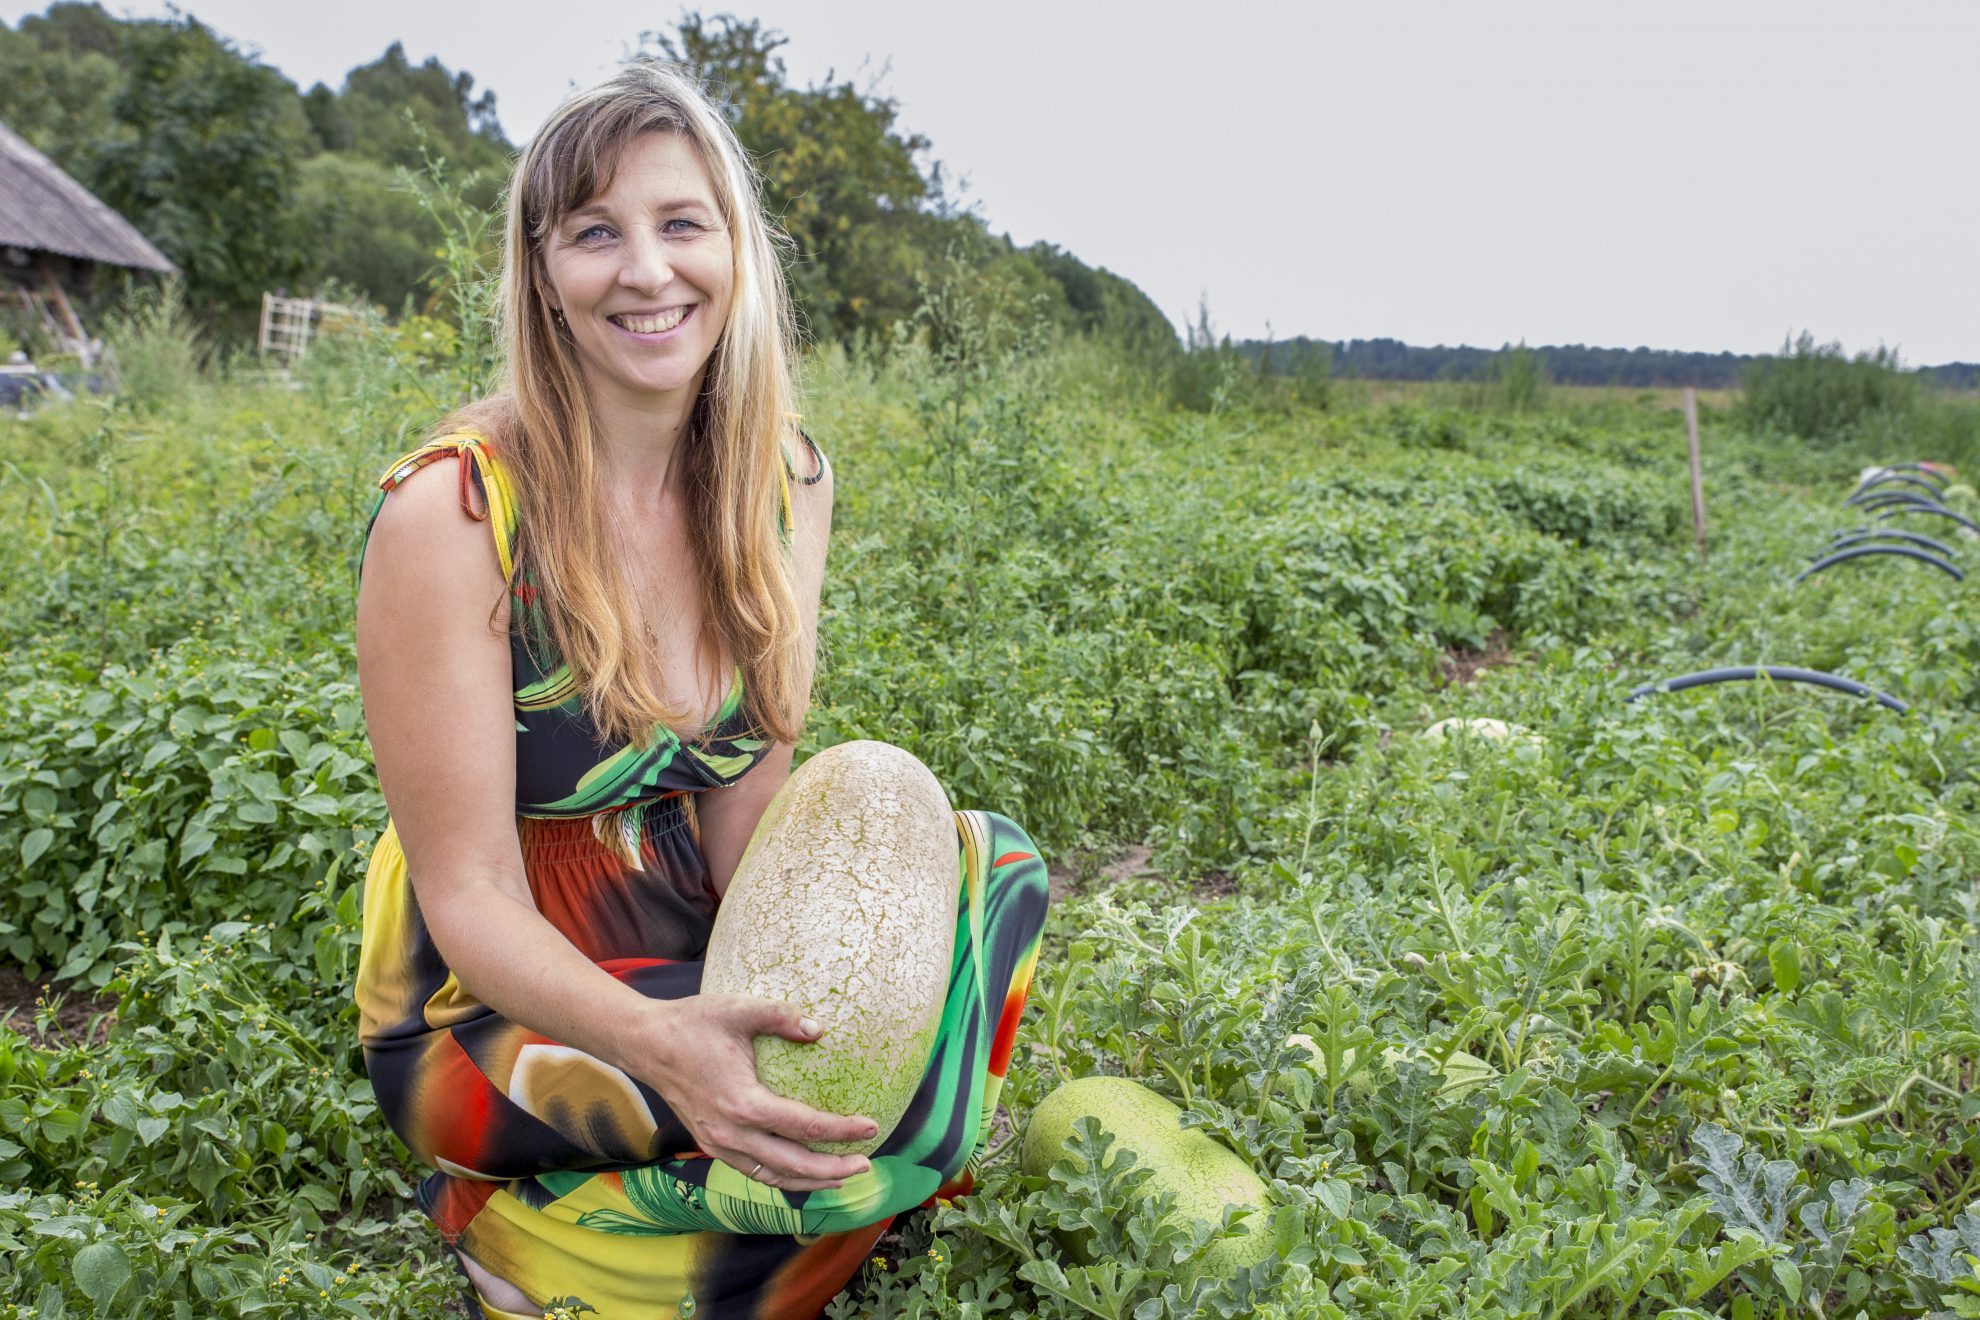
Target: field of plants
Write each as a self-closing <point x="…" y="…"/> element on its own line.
<point x="1717" y="952"/>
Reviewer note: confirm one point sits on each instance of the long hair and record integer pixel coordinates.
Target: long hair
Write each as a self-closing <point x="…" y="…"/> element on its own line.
<point x="542" y="425"/>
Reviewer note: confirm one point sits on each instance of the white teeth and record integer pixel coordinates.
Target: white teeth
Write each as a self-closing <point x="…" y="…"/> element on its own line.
<point x="653" y="325"/>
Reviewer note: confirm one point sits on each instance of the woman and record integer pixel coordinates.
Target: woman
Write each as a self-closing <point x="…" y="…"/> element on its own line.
<point x="578" y="722"/>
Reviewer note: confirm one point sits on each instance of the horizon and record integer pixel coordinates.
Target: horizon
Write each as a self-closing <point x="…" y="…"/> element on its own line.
<point x="1426" y="172"/>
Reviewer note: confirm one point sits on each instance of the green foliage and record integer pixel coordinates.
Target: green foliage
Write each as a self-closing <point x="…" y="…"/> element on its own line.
<point x="1819" y="393"/>
<point x="156" y="346"/>
<point x="1707" y="957"/>
<point x="370" y="231"/>
<point x="59" y="74"/>
<point x="1519" y="379"/>
<point x="203" y="161"/>
<point x="397" y="115"/>
<point x="202" y="787"/>
<point x="1210" y="376"/>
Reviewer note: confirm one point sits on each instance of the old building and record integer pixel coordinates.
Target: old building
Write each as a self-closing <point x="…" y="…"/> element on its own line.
<point x="54" y="237"/>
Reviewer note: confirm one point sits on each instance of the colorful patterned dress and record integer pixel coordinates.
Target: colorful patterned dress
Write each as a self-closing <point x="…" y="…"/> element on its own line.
<point x="570" y="1178"/>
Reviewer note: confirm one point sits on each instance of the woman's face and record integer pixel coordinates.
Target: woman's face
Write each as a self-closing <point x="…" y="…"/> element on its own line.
<point x="643" y="274"/>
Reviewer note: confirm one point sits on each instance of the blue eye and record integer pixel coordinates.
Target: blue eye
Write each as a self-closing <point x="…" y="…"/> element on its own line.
<point x="585" y="235"/>
<point x="667" y="227"/>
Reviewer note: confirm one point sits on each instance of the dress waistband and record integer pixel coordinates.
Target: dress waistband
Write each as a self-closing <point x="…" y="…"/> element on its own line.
<point x="553" y="839"/>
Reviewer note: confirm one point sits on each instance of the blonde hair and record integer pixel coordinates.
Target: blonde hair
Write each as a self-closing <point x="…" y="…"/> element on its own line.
<point x="542" y="426"/>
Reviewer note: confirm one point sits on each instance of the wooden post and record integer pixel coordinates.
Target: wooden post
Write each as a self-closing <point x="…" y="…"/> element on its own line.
<point x="71" y="322"/>
<point x="1697" y="478"/>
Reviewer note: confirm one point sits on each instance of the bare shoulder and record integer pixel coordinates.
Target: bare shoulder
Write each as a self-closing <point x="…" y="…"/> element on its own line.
<point x="423" y="527"/>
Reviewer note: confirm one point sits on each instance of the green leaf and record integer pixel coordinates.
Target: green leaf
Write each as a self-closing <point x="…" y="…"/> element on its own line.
<point x="1788" y="1275"/>
<point x="1784" y="956"/>
<point x="35" y="844"/>
<point x="101" y="1271"/>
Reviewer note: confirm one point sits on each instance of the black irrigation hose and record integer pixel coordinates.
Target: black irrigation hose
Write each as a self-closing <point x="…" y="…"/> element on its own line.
<point x="1939" y="509"/>
<point x="1743" y="673"/>
<point x="1929" y="473"/>
<point x="1853" y="535"/>
<point x="1860" y="551"/>
<point x="1891" y="478"/>
<point x="1885" y="499"/>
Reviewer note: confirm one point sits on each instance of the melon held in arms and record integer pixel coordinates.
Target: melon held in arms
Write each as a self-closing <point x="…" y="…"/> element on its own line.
<point x="844" y="907"/>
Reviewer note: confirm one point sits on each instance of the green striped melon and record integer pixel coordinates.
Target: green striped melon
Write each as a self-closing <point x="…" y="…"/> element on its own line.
<point x="844" y="906"/>
<point x="1204" y="1176"/>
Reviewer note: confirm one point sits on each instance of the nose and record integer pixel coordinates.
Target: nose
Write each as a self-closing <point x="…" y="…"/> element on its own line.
<point x="645" y="266"/>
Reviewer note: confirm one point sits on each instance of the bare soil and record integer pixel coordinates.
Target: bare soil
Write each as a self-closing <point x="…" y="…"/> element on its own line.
<point x="77" y="1008"/>
<point x="1077" y="873"/>
<point x="1464" y="666"/>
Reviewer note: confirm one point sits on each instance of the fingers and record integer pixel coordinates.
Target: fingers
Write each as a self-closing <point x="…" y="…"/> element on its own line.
<point x="776" y="1162"/>
<point x="775" y="1019"/>
<point x="803" y="1124"/>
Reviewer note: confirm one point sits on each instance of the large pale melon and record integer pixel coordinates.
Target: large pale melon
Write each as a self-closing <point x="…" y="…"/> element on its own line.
<point x="1204" y="1176"/>
<point x="844" y="906"/>
<point x="1493" y="730"/>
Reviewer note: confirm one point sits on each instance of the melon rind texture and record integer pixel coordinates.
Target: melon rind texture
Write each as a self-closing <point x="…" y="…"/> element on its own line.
<point x="1204" y="1176"/>
<point x="844" y="906"/>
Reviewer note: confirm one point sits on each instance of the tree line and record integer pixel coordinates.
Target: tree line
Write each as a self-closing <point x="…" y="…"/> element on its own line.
<point x="1569" y="364"/>
<point x="251" y="184"/>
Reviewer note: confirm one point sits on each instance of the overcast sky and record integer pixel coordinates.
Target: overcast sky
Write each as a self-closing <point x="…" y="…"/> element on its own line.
<point x="1698" y="174"/>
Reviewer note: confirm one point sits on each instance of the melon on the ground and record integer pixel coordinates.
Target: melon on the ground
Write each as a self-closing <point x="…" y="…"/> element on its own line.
<point x="1203" y="1175"/>
<point x="844" y="906"/>
<point x="1491" y="730"/>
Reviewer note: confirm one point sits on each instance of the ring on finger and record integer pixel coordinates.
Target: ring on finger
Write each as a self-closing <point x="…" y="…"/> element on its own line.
<point x="758" y="1169"/>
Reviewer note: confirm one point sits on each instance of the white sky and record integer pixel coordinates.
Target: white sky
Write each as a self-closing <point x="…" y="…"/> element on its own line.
<point x="1695" y="174"/>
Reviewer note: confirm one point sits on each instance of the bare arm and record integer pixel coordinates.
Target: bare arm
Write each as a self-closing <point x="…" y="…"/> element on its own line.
<point x="433" y="663"/>
<point x="728" y="816"/>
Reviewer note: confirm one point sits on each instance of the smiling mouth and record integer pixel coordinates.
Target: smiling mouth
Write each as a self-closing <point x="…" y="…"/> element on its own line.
<point x="656" y="324"/>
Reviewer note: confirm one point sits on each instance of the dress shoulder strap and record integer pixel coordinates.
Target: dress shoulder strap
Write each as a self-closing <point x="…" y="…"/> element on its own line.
<point x="786" y="522"/>
<point x="479" y="470"/>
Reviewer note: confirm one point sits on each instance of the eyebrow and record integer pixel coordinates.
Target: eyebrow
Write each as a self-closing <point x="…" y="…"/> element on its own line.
<point x="679" y="204"/>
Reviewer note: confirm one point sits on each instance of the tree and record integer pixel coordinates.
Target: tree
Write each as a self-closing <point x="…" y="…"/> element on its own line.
<point x="455" y="123"/>
<point x="204" y="162"/>
<point x="366" y="229"/>
<point x="58" y="76"/>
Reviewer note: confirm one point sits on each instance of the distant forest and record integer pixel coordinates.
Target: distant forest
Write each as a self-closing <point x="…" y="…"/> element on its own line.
<point x="1570" y="364"/>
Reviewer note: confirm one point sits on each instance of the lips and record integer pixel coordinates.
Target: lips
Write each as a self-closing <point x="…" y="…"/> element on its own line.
<point x="654" y="323"/>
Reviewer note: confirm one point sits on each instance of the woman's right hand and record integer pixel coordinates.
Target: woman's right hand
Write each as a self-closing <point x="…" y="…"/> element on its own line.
<point x="699" y="1053"/>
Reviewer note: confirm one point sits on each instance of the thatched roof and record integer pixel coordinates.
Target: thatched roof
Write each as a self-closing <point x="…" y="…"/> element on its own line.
<point x="42" y="209"/>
